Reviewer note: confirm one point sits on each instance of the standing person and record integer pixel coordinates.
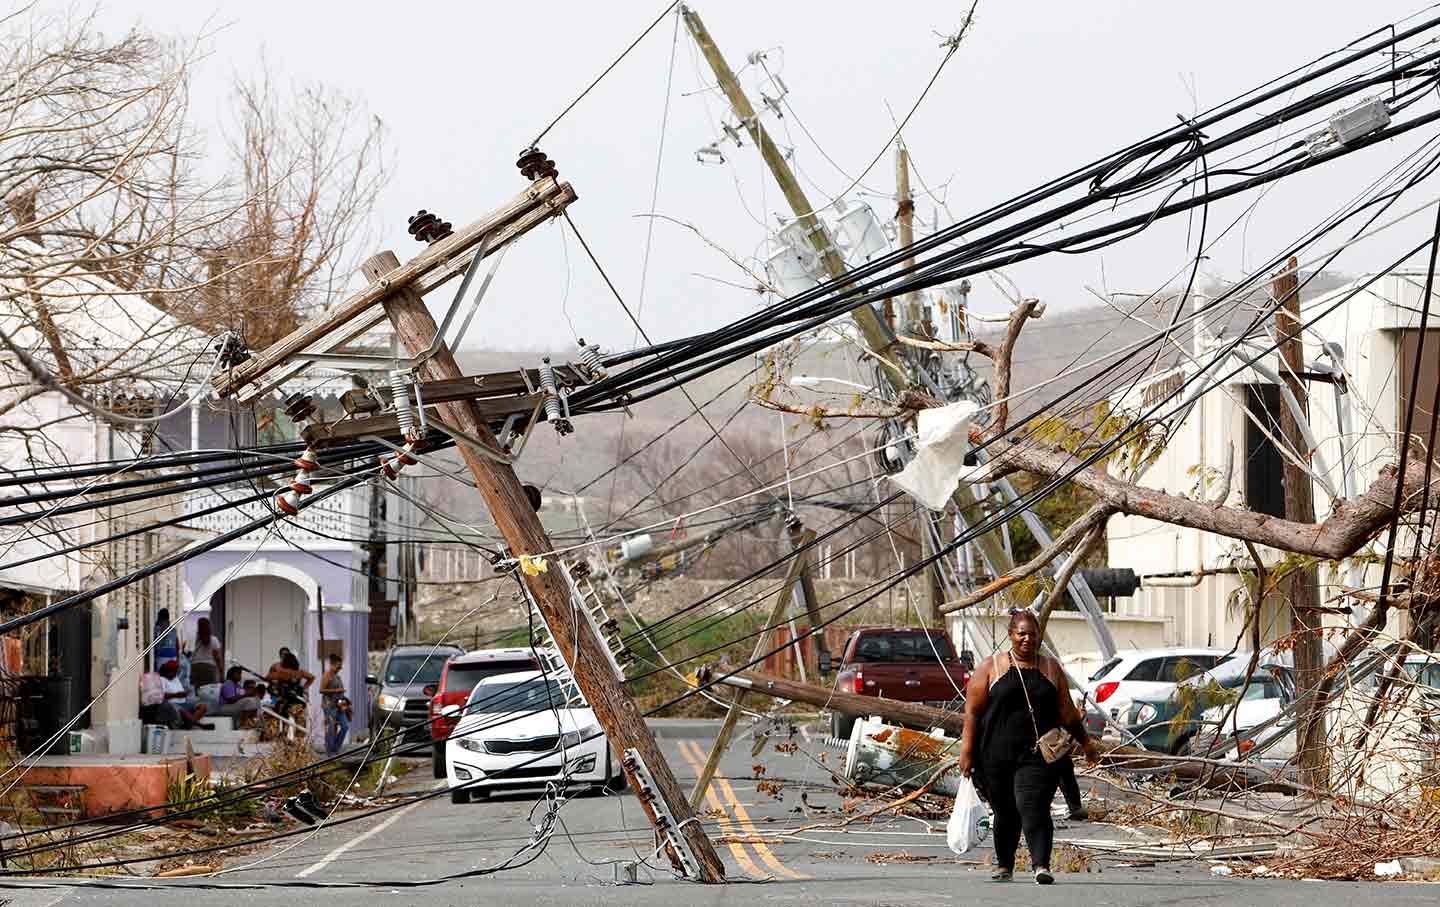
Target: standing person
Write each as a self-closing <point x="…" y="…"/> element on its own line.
<point x="207" y="663"/>
<point x="1013" y="700"/>
<point x="167" y="642"/>
<point x="335" y="705"/>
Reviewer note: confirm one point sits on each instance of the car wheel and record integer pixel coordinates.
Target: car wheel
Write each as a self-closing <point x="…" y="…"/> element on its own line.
<point x="841" y="726"/>
<point x="460" y="795"/>
<point x="615" y="782"/>
<point x="437" y="758"/>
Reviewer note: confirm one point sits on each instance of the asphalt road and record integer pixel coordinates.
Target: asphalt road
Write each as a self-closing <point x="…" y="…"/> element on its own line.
<point x="775" y="849"/>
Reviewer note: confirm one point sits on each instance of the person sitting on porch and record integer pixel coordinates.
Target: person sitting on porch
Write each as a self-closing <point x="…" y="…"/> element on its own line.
<point x="182" y="700"/>
<point x="207" y="662"/>
<point x="335" y="705"/>
<point x="235" y="700"/>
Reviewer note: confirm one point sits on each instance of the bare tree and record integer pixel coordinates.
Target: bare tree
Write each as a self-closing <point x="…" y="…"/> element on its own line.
<point x="308" y="165"/>
<point x="100" y="204"/>
<point x="118" y="261"/>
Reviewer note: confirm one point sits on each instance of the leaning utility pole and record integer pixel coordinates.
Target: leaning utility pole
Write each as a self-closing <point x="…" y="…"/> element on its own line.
<point x="1300" y="506"/>
<point x="878" y="335"/>
<point x="399" y="290"/>
<point x="917" y="323"/>
<point x="762" y="644"/>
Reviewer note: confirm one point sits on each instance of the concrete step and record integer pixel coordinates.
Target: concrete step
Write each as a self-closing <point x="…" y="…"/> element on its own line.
<point x="222" y="748"/>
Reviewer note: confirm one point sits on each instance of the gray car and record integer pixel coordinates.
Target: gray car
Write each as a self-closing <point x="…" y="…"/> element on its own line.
<point x="406" y="683"/>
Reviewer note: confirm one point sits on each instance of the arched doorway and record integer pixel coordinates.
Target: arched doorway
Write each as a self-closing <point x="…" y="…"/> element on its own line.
<point x="262" y="613"/>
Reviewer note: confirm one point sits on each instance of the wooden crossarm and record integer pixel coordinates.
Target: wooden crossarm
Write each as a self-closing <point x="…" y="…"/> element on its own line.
<point x="430" y="269"/>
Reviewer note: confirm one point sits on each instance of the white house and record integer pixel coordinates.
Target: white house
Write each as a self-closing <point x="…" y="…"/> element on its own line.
<point x="261" y="591"/>
<point x="1225" y="448"/>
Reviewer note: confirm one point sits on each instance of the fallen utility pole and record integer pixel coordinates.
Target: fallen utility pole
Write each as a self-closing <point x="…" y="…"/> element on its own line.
<point x="1300" y="507"/>
<point x="732" y="715"/>
<point x="914" y="714"/>
<point x="399" y="289"/>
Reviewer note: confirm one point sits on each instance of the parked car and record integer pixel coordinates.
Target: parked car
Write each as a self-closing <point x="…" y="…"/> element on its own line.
<point x="1145" y="672"/>
<point x="1344" y="715"/>
<point x="402" y="701"/>
<point x="516" y="730"/>
<point x="905" y="663"/>
<point x="1168" y="722"/>
<point x="457" y="680"/>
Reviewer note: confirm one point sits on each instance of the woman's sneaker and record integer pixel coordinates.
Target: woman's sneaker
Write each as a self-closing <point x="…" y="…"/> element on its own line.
<point x="1043" y="877"/>
<point x="1002" y="875"/>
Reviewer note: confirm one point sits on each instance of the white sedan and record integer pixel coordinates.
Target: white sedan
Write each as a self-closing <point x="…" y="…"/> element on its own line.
<point x="516" y="730"/>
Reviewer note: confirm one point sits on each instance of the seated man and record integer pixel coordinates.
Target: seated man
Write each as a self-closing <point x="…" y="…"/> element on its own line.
<point x="235" y="699"/>
<point x="181" y="699"/>
<point x="153" y="707"/>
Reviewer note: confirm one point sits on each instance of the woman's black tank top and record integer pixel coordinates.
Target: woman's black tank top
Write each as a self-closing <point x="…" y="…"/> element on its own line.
<point x="1007" y="733"/>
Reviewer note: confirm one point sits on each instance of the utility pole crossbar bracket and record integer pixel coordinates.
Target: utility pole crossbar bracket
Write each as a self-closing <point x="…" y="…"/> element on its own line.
<point x="668" y="831"/>
<point x="432" y="268"/>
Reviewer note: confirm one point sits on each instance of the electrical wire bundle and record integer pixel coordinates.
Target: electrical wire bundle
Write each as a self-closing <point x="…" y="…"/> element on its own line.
<point x="1020" y="228"/>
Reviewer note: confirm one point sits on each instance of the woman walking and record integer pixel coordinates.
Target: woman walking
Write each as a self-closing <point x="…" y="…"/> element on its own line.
<point x="1018" y="712"/>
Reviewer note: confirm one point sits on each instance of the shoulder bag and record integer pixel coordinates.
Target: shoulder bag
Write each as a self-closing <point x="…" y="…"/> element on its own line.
<point x="1056" y="743"/>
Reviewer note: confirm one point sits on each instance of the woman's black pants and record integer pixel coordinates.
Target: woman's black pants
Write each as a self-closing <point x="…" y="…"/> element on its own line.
<point x="1020" y="794"/>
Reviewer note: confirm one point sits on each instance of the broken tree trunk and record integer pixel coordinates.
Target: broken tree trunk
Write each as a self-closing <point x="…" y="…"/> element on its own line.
<point x="1300" y="507"/>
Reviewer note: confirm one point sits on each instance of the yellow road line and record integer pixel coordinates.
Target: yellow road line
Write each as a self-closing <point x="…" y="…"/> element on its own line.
<point x="762" y="849"/>
<point x="736" y="850"/>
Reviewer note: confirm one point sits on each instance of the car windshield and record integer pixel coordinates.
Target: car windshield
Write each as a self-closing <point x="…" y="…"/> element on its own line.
<point x="526" y="696"/>
<point x="418" y="668"/>
<point x="904" y="646"/>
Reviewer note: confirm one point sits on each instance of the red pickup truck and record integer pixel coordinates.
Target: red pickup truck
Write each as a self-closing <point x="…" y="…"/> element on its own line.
<point x="907" y="663"/>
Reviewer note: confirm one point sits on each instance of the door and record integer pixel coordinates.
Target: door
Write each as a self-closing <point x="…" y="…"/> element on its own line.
<point x="262" y="613"/>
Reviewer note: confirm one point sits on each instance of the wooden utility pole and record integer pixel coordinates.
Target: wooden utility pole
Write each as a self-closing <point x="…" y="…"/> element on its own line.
<point x="905" y="223"/>
<point x="519" y="524"/>
<point x="916" y="324"/>
<point x="878" y="335"/>
<point x="762" y="644"/>
<point x="1303" y="583"/>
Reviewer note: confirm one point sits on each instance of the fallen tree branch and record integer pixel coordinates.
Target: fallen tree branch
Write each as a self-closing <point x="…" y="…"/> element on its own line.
<point x="1028" y="308"/>
<point x="1062" y="579"/>
<point x="1349" y="527"/>
<point x="1097" y="514"/>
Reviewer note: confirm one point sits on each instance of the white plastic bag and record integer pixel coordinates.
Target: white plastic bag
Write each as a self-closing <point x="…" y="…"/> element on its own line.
<point x="968" y="821"/>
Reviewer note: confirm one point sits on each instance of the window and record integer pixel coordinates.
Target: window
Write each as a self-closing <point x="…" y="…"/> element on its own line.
<point x="420" y="669"/>
<point x="1106" y="668"/>
<point x="462" y="678"/>
<point x="1409" y="345"/>
<point x="534" y="695"/>
<point x="1147" y="670"/>
<point x="1264" y="470"/>
<point x="1179" y="667"/>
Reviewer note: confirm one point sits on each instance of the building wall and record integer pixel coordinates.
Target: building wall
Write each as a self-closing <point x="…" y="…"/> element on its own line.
<point x="1208" y="612"/>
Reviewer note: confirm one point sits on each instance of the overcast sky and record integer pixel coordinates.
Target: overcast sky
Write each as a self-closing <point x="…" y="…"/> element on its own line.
<point x="1036" y="89"/>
